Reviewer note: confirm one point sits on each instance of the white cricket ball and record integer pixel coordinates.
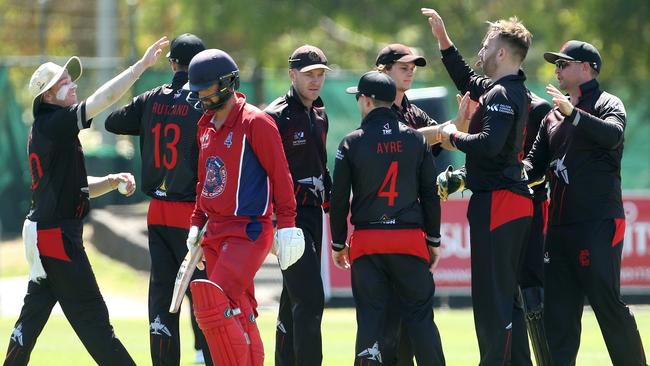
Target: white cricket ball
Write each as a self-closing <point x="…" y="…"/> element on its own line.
<point x="121" y="187"/>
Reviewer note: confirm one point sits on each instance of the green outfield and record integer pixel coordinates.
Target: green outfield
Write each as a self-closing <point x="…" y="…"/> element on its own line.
<point x="58" y="345"/>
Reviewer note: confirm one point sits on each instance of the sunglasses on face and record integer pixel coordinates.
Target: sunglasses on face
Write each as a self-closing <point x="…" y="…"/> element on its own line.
<point x="562" y="64"/>
<point x="358" y="95"/>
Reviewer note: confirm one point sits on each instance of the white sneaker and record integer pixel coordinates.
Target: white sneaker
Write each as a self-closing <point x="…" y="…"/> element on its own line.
<point x="198" y="357"/>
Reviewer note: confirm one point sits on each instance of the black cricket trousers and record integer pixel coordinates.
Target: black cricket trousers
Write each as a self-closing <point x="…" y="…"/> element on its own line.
<point x="499" y="223"/>
<point x="584" y="260"/>
<point x="298" y="339"/>
<point x="376" y="278"/>
<point x="70" y="282"/>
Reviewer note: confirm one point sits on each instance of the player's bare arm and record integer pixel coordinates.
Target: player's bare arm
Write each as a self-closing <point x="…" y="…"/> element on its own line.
<point x="113" y="89"/>
<point x="99" y="186"/>
<point x="437" y="28"/>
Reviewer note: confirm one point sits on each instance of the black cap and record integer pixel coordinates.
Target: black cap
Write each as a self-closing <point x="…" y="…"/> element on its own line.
<point x="308" y="57"/>
<point x="376" y="85"/>
<point x="184" y="47"/>
<point x="576" y="51"/>
<point x="397" y="52"/>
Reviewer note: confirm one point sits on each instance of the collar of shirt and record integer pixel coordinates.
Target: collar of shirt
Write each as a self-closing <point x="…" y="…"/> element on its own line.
<point x="381" y="113"/>
<point x="179" y="79"/>
<point x="520" y="76"/>
<point x="233" y="116"/>
<point x="404" y="106"/>
<point x="588" y="88"/>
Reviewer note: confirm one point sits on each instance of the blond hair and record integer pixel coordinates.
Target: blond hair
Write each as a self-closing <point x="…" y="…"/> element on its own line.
<point x="513" y="33"/>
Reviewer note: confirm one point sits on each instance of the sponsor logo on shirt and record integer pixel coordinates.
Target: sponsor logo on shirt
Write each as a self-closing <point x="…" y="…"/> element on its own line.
<point x="385" y="220"/>
<point x="205" y="140"/>
<point x="162" y="190"/>
<point x="216" y="177"/>
<point x="339" y="154"/>
<point x="501" y="108"/>
<point x="387" y="130"/>
<point x="299" y="138"/>
<point x="228" y="141"/>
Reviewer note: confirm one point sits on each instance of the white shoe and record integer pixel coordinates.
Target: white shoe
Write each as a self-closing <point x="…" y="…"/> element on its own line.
<point x="198" y="357"/>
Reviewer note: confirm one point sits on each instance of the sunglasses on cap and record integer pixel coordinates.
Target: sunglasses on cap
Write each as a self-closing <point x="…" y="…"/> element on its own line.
<point x="562" y="64"/>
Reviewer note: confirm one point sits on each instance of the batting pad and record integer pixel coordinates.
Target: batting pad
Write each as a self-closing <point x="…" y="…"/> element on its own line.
<point x="227" y="340"/>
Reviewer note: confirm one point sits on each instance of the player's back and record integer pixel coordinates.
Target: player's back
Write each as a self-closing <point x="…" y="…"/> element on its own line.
<point x="385" y="158"/>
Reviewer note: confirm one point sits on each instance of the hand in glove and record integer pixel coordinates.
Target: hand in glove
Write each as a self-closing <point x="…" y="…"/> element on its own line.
<point x="288" y="245"/>
<point x="450" y="181"/>
<point x="193" y="243"/>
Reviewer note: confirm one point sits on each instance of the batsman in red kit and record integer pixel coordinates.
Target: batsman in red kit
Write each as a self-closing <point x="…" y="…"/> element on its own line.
<point x="242" y="175"/>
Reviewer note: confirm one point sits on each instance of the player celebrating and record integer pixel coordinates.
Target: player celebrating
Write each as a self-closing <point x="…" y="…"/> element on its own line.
<point x="396" y="215"/>
<point x="59" y="268"/>
<point x="303" y="124"/>
<point x="166" y="124"/>
<point x="500" y="208"/>
<point x="243" y="174"/>
<point x="581" y="142"/>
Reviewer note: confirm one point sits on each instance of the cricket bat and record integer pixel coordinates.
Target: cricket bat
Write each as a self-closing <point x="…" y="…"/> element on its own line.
<point x="185" y="272"/>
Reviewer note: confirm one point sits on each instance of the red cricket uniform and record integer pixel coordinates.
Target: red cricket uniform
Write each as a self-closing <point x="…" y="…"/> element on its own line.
<point x="242" y="174"/>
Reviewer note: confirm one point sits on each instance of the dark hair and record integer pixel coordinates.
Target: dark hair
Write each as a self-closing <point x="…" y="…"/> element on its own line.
<point x="513" y="33"/>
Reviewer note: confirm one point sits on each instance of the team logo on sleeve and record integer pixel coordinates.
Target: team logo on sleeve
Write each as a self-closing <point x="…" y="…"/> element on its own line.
<point x="501" y="108"/>
<point x="215" y="177"/>
<point x="339" y="154"/>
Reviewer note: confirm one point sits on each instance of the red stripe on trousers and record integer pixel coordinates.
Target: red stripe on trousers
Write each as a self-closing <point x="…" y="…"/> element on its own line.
<point x="508" y="206"/>
<point x="619" y="234"/>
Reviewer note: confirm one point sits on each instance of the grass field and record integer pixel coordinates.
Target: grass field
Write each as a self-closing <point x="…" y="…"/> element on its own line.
<point x="58" y="345"/>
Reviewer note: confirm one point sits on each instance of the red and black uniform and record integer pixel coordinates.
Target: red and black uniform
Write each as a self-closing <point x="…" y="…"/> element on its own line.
<point x="166" y="125"/>
<point x="390" y="169"/>
<point x="304" y="132"/>
<point x="584" y="242"/>
<point x="60" y="202"/>
<point x="500" y="208"/>
<point x="398" y="346"/>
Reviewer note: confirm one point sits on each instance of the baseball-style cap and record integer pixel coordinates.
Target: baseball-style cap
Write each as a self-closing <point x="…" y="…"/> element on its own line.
<point x="308" y="57"/>
<point x="576" y="51"/>
<point x="47" y="75"/>
<point x="376" y="85"/>
<point x="397" y="52"/>
<point x="184" y="47"/>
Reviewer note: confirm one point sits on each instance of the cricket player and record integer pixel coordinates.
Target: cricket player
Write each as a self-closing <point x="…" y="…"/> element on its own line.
<point x="53" y="231"/>
<point x="581" y="143"/>
<point x="166" y="125"/>
<point x="302" y="121"/>
<point x="243" y="177"/>
<point x="396" y="216"/>
<point x="500" y="209"/>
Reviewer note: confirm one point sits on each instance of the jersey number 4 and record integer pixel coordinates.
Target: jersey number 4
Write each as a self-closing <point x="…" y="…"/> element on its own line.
<point x="169" y="146"/>
<point x="387" y="189"/>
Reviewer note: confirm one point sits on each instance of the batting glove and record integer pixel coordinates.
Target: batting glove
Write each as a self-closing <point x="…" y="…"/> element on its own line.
<point x="192" y="238"/>
<point x="288" y="245"/>
<point x="450" y="181"/>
